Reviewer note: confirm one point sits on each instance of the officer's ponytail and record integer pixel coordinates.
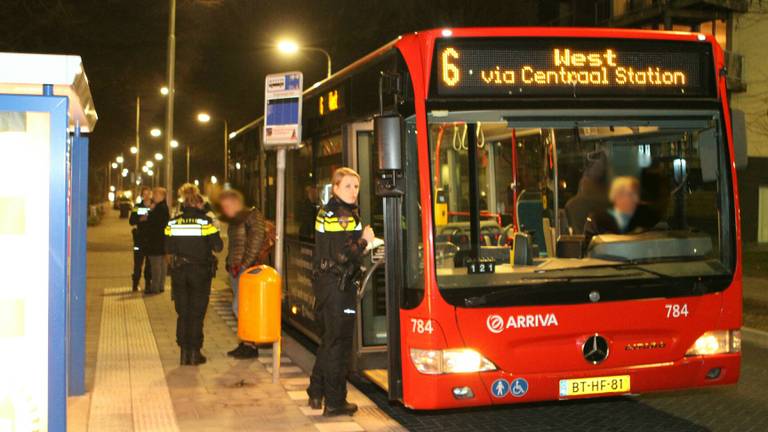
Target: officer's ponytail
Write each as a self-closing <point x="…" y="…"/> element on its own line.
<point x="190" y="195"/>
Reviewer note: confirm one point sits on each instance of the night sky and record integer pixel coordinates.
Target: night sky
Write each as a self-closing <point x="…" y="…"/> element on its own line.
<point x="224" y="50"/>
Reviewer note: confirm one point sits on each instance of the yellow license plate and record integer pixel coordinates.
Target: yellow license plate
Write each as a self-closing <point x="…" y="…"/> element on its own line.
<point x="595" y="385"/>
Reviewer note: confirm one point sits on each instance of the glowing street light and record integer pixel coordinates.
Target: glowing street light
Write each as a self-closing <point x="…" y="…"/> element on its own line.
<point x="158" y="156"/>
<point x="289" y="47"/>
<point x="144" y="168"/>
<point x="203" y="117"/>
<point x="150" y="164"/>
<point x="174" y="144"/>
<point x="232" y="134"/>
<point x="155" y="132"/>
<point x="150" y="173"/>
<point x="164" y="91"/>
<point x="197" y="182"/>
<point x="134" y="149"/>
<point x="119" y="159"/>
<point x="214" y="180"/>
<point x="114" y="165"/>
<point x="111" y="188"/>
<point x="125" y="172"/>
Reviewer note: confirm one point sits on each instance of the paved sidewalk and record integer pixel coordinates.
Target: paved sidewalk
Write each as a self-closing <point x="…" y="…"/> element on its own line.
<point x="134" y="380"/>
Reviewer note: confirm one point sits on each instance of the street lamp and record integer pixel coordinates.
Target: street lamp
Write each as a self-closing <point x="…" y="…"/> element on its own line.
<point x="204" y="118"/>
<point x="164" y="91"/>
<point x="134" y="149"/>
<point x="119" y="159"/>
<point x="174" y="144"/>
<point x="214" y="180"/>
<point x="289" y="47"/>
<point x="114" y="165"/>
<point x="158" y="156"/>
<point x="149" y="164"/>
<point x="155" y="132"/>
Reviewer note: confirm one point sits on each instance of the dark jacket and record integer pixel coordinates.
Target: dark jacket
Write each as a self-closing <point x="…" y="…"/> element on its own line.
<point x="155" y="229"/>
<point x="140" y="227"/>
<point x="590" y="199"/>
<point x="338" y="236"/>
<point x="246" y="238"/>
<point x="193" y="236"/>
<point x="602" y="222"/>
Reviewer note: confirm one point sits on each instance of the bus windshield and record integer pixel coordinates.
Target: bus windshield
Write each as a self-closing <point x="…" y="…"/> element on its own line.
<point x="558" y="199"/>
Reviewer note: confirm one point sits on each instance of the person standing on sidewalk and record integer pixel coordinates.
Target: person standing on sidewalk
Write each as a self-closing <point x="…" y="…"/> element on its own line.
<point x="155" y="244"/>
<point x="246" y="231"/>
<point x="138" y="220"/>
<point x="191" y="239"/>
<point x="340" y="241"/>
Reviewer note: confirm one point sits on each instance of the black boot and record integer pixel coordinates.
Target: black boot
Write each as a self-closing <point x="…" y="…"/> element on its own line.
<point x="316" y="403"/>
<point x="345" y="408"/>
<point x="185" y="357"/>
<point x="196" y="357"/>
<point x="135" y="285"/>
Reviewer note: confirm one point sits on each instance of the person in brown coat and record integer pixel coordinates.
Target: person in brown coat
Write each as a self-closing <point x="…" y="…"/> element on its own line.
<point x="246" y="232"/>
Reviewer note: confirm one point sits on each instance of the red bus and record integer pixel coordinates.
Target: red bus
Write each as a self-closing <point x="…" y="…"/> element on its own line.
<point x="558" y="206"/>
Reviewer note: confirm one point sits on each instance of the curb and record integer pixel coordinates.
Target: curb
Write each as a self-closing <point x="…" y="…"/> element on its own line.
<point x="755" y="336"/>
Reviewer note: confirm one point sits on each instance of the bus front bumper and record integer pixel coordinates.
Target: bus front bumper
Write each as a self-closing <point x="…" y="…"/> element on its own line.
<point x="503" y="387"/>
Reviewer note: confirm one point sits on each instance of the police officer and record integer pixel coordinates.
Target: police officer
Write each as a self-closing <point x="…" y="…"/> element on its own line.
<point x="138" y="220"/>
<point x="340" y="241"/>
<point x="191" y="240"/>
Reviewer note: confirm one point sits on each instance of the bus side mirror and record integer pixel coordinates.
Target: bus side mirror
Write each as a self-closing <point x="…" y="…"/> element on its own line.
<point x="739" y="131"/>
<point x="388" y="129"/>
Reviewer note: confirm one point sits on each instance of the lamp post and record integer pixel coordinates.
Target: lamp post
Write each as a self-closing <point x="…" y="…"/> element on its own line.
<point x="204" y="118"/>
<point x="171" y="90"/>
<point x="291" y="47"/>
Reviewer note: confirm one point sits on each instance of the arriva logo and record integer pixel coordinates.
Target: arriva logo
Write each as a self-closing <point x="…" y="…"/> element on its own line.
<point x="496" y="323"/>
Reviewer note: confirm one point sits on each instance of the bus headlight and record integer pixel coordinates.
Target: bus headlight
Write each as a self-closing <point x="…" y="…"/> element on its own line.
<point x="716" y="342"/>
<point x="456" y="360"/>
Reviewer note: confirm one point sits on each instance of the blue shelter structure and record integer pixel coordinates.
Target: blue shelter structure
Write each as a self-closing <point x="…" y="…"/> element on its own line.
<point x="46" y="112"/>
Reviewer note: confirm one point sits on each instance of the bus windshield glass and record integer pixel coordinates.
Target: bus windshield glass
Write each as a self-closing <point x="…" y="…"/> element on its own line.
<point x="526" y="201"/>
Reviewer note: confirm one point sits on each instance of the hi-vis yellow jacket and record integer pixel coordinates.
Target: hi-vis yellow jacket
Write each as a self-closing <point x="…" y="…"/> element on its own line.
<point x="338" y="235"/>
<point x="192" y="235"/>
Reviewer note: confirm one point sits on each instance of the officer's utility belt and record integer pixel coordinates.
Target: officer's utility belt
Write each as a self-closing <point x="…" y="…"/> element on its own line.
<point x="329" y="266"/>
<point x="180" y="260"/>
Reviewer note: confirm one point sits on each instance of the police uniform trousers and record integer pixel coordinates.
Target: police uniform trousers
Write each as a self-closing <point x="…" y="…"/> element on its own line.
<point x="335" y="312"/>
<point x="140" y="260"/>
<point x="191" y="285"/>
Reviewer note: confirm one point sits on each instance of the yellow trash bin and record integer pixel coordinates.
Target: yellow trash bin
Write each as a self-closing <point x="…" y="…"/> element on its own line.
<point x="258" y="308"/>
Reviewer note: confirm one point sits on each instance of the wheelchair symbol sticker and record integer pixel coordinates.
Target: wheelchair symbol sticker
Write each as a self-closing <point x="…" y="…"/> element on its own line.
<point x="519" y="387"/>
<point x="500" y="388"/>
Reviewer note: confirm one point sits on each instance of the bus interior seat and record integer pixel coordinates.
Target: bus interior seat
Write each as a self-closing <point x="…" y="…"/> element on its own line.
<point x="530" y="210"/>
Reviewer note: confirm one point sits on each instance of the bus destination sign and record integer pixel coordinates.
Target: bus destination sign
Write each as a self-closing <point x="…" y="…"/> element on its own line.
<point x="572" y="68"/>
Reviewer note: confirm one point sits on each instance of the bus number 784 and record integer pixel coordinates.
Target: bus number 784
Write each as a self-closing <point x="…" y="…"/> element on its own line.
<point x="676" y="310"/>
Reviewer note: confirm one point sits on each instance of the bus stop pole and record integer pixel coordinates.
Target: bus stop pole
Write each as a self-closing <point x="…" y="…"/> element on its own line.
<point x="279" y="242"/>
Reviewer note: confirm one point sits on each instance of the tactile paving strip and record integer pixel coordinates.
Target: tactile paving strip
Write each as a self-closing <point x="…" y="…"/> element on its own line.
<point x="130" y="390"/>
<point x="292" y="378"/>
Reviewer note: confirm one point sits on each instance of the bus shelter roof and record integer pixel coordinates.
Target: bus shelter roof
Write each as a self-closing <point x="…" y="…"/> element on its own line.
<point x="27" y="73"/>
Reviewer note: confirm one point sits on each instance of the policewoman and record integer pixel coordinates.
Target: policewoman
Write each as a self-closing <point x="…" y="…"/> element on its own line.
<point x="340" y="241"/>
<point x="191" y="240"/>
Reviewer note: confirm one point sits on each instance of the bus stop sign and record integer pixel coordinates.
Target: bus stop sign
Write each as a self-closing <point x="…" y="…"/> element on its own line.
<point x="282" y="109"/>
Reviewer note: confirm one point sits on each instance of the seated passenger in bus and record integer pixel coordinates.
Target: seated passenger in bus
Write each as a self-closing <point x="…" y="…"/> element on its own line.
<point x="627" y="214"/>
<point x="591" y="196"/>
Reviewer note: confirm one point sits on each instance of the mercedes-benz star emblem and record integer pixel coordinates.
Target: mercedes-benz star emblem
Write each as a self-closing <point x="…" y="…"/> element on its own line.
<point x="595" y="349"/>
